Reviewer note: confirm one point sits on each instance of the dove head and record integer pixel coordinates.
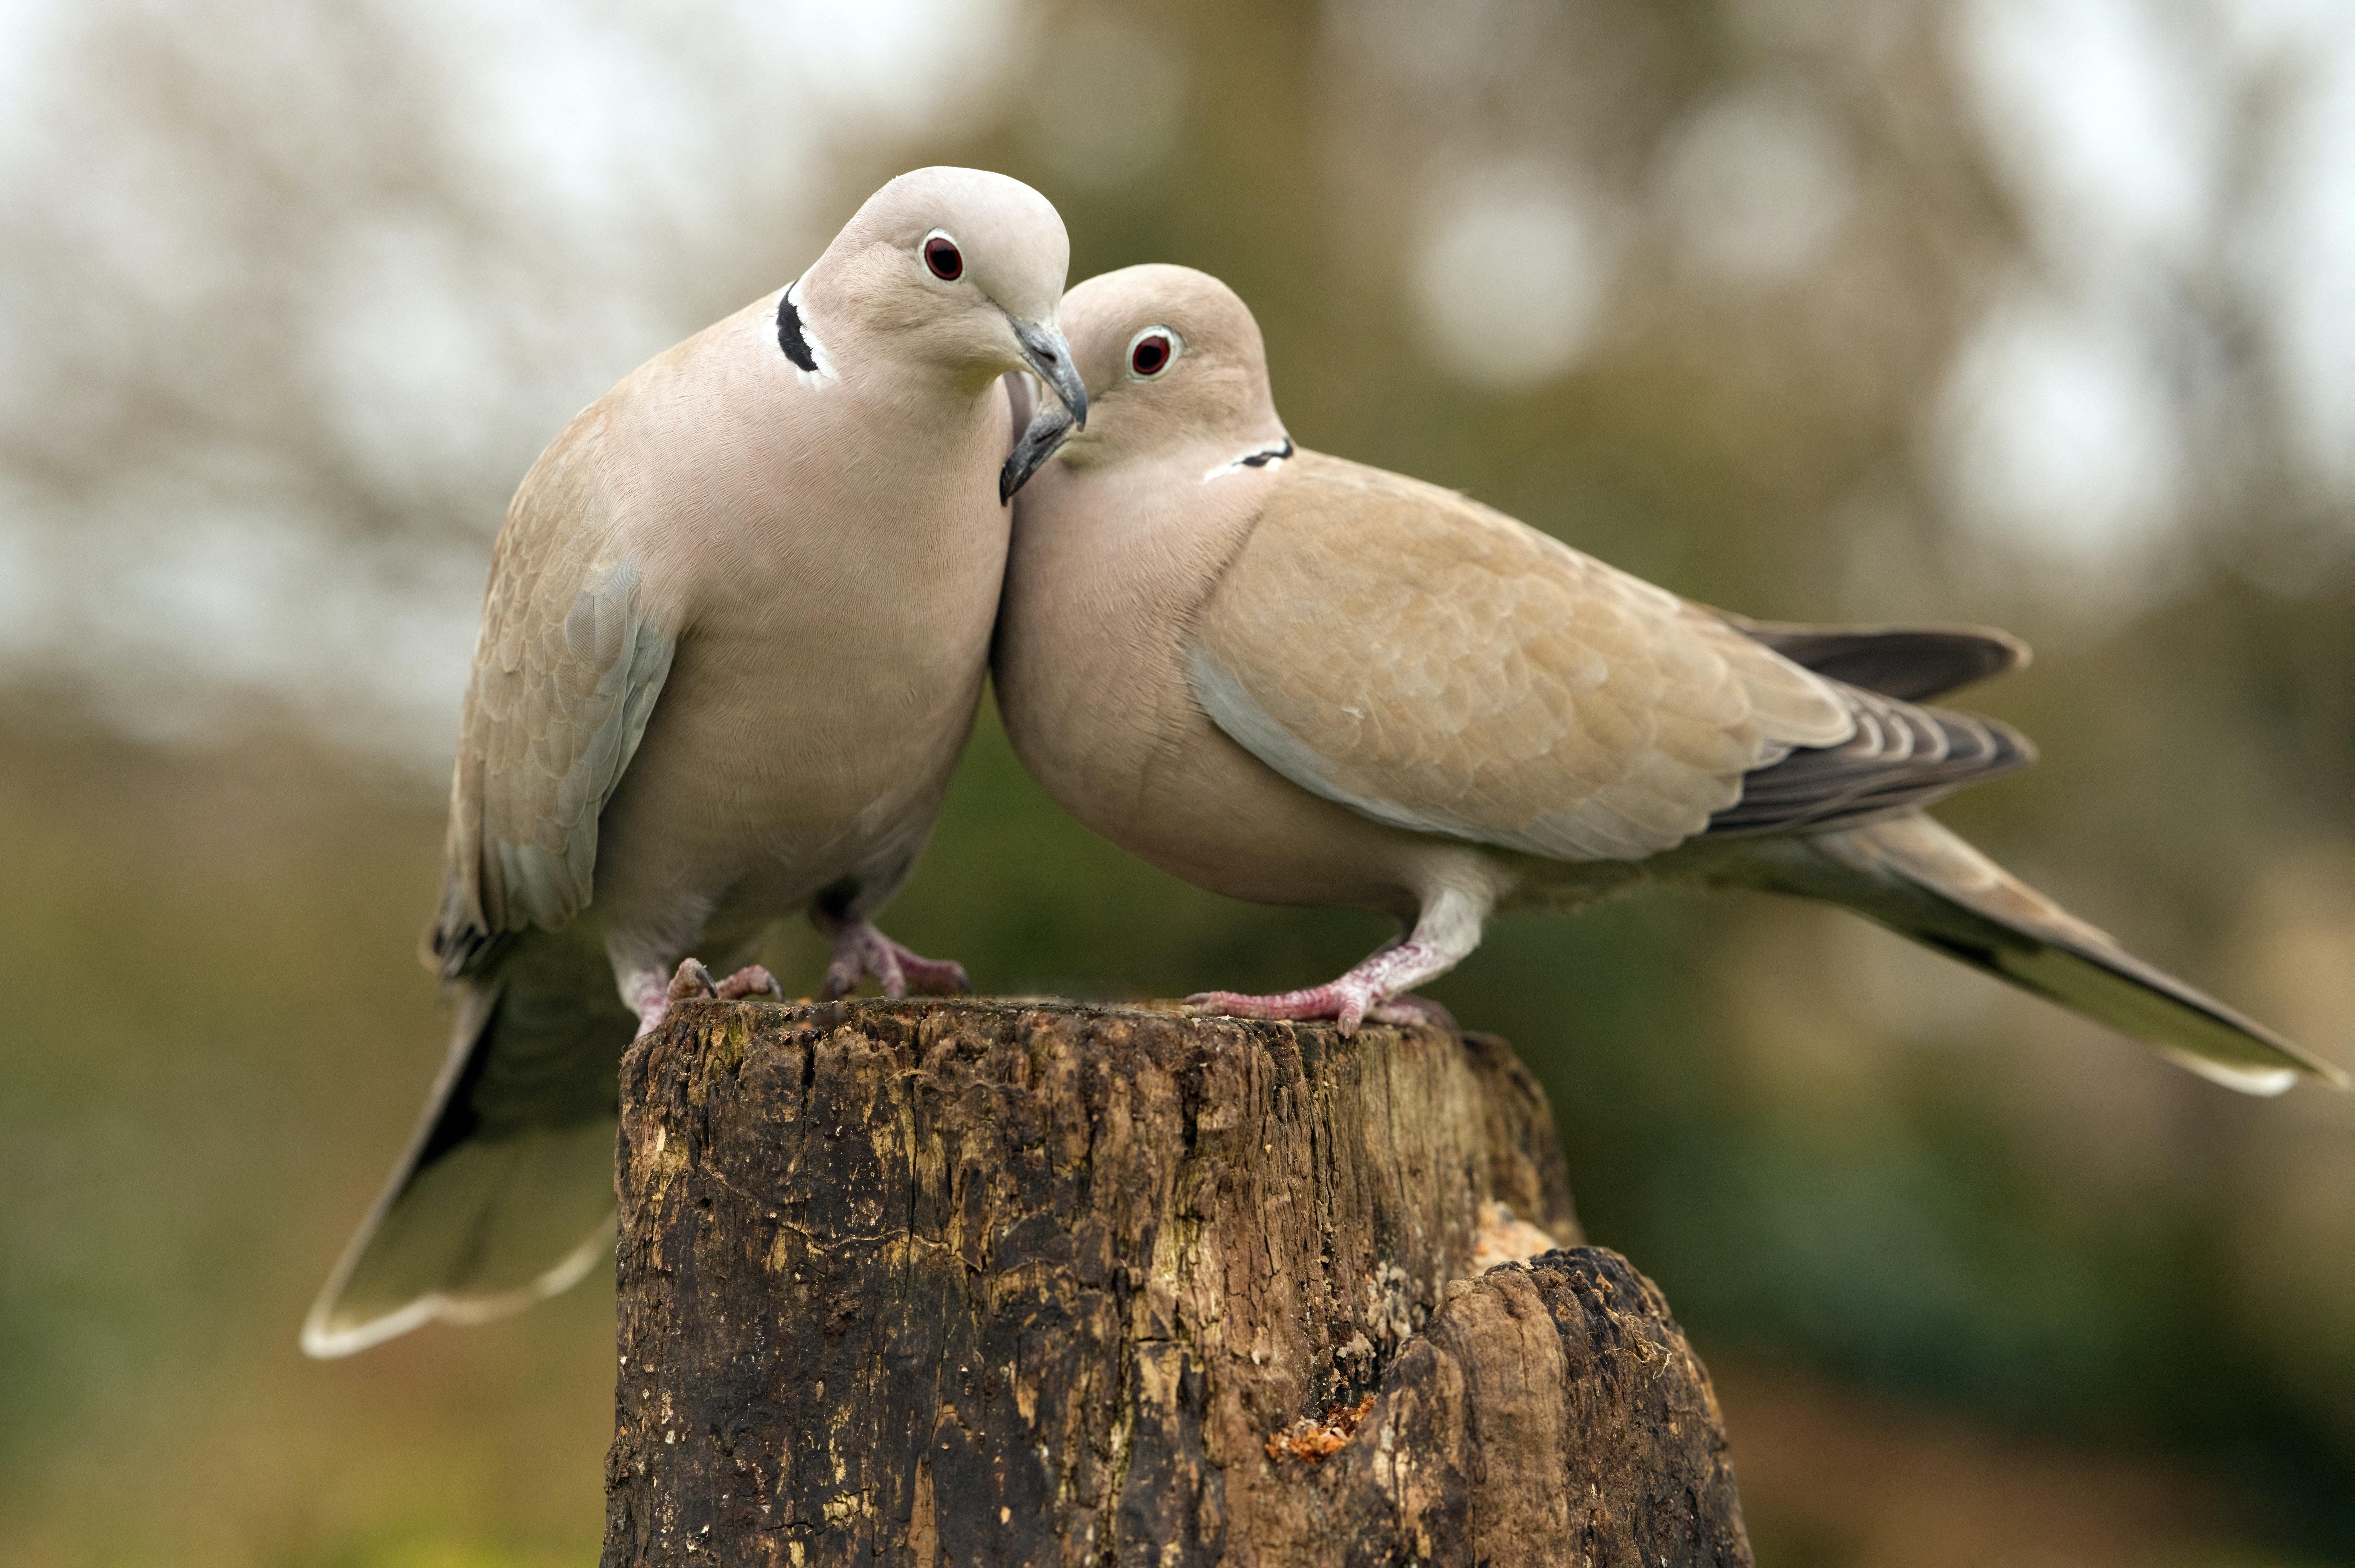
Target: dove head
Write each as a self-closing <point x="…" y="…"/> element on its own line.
<point x="1168" y="355"/>
<point x="955" y="268"/>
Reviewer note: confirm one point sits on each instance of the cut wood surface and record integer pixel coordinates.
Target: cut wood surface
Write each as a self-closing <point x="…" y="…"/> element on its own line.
<point x="962" y="1283"/>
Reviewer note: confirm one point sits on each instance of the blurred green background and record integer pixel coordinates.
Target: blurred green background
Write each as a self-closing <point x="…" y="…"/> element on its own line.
<point x="2032" y="312"/>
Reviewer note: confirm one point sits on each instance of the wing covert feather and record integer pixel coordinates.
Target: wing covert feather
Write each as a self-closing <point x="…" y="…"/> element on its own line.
<point x="566" y="675"/>
<point x="1436" y="664"/>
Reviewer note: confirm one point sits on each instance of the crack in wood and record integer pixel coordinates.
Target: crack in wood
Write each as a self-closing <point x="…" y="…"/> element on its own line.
<point x="1065" y="1273"/>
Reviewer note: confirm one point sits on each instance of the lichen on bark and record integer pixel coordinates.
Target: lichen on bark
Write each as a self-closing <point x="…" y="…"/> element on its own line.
<point x="993" y="1282"/>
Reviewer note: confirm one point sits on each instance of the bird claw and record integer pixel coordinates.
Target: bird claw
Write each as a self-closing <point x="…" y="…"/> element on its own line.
<point x="842" y="976"/>
<point x="860" y="949"/>
<point x="652" y="1000"/>
<point x="753" y="980"/>
<point x="933" y="976"/>
<point x="1407" y="1011"/>
<point x="1342" y="1001"/>
<point x="1375" y="989"/>
<point x="692" y="983"/>
<point x="1348" y="1002"/>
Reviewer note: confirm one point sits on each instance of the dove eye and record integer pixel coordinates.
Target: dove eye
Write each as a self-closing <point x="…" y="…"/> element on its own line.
<point x="943" y="257"/>
<point x="1151" y="351"/>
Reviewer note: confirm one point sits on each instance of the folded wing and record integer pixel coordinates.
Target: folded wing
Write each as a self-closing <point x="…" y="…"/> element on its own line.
<point x="1912" y="664"/>
<point x="1437" y="665"/>
<point x="565" y="678"/>
<point x="504" y="1194"/>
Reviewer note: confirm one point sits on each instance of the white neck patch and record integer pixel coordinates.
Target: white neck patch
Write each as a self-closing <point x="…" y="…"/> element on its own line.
<point x="794" y="332"/>
<point x="1267" y="456"/>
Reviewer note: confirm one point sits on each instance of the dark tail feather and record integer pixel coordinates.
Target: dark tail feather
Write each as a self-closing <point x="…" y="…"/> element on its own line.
<point x="1922" y="882"/>
<point x="506" y="1194"/>
<point x="1912" y="664"/>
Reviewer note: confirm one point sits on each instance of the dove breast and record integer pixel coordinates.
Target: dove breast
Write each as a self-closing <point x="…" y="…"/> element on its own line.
<point x="1319" y="682"/>
<point x="1108" y="571"/>
<point x="763" y="537"/>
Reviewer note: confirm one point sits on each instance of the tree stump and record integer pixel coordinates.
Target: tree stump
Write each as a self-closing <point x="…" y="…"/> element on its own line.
<point x="962" y="1282"/>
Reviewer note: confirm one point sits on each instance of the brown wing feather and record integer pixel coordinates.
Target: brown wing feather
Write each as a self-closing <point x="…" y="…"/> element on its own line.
<point x="1434" y="664"/>
<point x="566" y="673"/>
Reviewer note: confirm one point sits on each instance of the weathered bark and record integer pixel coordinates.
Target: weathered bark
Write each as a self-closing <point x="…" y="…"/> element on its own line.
<point x="985" y="1282"/>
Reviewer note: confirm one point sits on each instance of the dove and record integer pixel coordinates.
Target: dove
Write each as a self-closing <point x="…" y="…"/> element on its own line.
<point x="734" y="639"/>
<point x="1295" y="679"/>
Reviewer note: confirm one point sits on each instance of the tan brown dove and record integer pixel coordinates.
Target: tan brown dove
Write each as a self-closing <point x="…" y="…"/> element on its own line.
<point x="1297" y="679"/>
<point x="737" y="626"/>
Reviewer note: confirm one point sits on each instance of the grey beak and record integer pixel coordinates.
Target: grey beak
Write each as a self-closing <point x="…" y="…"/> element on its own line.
<point x="1050" y="357"/>
<point x="1048" y="427"/>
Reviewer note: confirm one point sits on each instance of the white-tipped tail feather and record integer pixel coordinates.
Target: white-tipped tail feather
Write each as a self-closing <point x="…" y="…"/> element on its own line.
<point x="486" y="1231"/>
<point x="505" y="1195"/>
<point x="1913" y="876"/>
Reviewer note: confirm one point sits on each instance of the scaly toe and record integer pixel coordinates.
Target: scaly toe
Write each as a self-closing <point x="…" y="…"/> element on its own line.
<point x="842" y="978"/>
<point x="934" y="976"/>
<point x="692" y="982"/>
<point x="1409" y="1011"/>
<point x="1335" y="1002"/>
<point x="753" y="980"/>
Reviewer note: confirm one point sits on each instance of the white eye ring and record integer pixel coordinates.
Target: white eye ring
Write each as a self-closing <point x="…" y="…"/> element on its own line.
<point x="948" y="263"/>
<point x="1176" y="348"/>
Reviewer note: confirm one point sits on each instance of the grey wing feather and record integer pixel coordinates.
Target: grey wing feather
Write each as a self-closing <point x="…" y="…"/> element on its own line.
<point x="540" y="816"/>
<point x="556" y="709"/>
<point x="504" y="1194"/>
<point x="1900" y="759"/>
<point x="1912" y="664"/>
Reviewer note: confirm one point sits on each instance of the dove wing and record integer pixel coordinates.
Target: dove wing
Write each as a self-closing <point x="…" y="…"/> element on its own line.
<point x="566" y="674"/>
<point x="1436" y="664"/>
<point x="1912" y="664"/>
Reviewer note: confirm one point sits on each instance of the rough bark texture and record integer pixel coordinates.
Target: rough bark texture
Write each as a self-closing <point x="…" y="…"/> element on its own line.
<point x="984" y="1283"/>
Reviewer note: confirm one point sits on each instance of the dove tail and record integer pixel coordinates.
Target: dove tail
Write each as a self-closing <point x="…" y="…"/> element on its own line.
<point x="1921" y="880"/>
<point x="504" y="1196"/>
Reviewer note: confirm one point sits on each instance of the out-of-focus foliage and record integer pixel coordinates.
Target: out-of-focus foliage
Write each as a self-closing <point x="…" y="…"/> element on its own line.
<point x="210" y="1049"/>
<point x="1819" y="311"/>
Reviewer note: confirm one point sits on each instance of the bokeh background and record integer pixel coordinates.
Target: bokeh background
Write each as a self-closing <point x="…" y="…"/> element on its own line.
<point x="2032" y="311"/>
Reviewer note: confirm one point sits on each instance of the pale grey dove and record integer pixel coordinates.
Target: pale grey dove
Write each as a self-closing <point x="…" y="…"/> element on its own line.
<point x="737" y="626"/>
<point x="1297" y="679"/>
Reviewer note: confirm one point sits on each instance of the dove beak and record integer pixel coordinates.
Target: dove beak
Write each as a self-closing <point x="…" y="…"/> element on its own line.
<point x="1049" y="428"/>
<point x="1045" y="351"/>
<point x="1050" y="357"/>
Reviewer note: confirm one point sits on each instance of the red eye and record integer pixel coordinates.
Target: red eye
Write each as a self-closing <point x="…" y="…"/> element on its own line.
<point x="941" y="255"/>
<point x="1151" y="354"/>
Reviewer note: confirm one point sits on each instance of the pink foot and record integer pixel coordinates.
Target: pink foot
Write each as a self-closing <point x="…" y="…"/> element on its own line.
<point x="1374" y="989"/>
<point x="1346" y="1001"/>
<point x="653" y="998"/>
<point x="749" y="981"/>
<point x="1410" y="1010"/>
<point x="1446" y="931"/>
<point x="860" y="949"/>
